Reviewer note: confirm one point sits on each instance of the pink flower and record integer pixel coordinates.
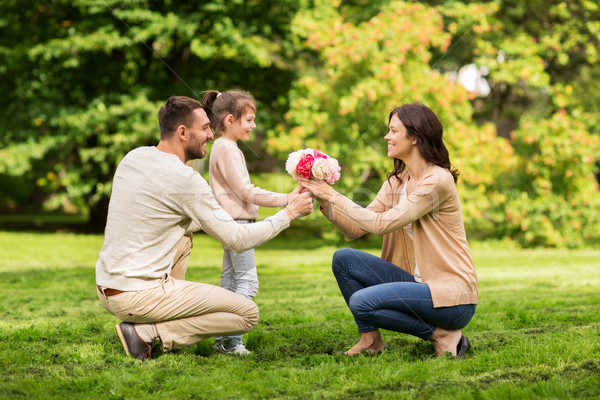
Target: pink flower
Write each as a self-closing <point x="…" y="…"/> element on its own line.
<point x="318" y="154"/>
<point x="333" y="170"/>
<point x="334" y="177"/>
<point x="304" y="166"/>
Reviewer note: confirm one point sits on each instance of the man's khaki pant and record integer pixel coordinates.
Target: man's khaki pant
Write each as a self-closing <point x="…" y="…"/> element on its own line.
<point x="184" y="312"/>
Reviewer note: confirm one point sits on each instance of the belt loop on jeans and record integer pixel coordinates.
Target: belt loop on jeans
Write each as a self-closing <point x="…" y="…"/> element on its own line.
<point x="163" y="281"/>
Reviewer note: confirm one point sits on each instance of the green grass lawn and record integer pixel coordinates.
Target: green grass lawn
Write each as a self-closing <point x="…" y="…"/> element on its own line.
<point x="536" y="332"/>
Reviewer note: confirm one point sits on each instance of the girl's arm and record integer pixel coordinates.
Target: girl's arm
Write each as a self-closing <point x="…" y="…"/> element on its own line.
<point x="232" y="167"/>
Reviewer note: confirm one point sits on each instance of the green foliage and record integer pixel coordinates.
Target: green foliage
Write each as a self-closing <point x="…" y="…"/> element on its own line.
<point x="557" y="164"/>
<point x="368" y="67"/>
<point x="532" y="338"/>
<point x="83" y="80"/>
<point x="365" y="71"/>
<point x="540" y="56"/>
<point x="95" y="140"/>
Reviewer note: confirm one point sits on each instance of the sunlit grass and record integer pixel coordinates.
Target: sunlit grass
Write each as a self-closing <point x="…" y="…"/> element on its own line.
<point x="536" y="332"/>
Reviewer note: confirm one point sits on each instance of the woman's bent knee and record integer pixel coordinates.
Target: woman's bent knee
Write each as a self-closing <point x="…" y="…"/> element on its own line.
<point x="358" y="306"/>
<point x="341" y="258"/>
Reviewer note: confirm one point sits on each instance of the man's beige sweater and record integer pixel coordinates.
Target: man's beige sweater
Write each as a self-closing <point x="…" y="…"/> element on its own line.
<point x="155" y="200"/>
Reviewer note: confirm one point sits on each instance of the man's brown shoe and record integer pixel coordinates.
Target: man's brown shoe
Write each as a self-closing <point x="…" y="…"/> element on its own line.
<point x="134" y="346"/>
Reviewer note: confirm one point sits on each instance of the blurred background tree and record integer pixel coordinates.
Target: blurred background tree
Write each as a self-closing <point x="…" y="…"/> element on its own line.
<point x="83" y="81"/>
<point x="540" y="59"/>
<point x="501" y="77"/>
<point x="510" y="80"/>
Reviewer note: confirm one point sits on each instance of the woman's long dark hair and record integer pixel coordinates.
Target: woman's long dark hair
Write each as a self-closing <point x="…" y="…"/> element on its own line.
<point x="421" y="123"/>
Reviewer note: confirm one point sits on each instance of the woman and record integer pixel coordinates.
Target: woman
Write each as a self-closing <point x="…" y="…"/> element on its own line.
<point x="424" y="284"/>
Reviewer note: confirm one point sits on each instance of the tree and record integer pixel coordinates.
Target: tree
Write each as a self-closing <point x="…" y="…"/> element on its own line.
<point x="365" y="71"/>
<point x="83" y="81"/>
<point x="402" y="55"/>
<point x="542" y="59"/>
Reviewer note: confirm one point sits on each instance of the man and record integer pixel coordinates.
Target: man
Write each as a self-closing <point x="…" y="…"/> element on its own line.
<point x="156" y="202"/>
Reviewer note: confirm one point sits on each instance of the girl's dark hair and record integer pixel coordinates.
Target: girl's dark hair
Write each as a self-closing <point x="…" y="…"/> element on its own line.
<point x="421" y="123"/>
<point x="220" y="104"/>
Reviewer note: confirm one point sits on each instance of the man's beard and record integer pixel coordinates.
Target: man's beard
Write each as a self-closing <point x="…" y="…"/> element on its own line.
<point x="195" y="152"/>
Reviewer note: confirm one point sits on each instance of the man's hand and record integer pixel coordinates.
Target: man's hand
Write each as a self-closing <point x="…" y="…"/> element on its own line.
<point x="299" y="206"/>
<point x="297" y="190"/>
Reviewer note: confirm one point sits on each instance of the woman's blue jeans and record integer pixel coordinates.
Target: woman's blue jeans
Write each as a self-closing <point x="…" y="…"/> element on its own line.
<point x="381" y="295"/>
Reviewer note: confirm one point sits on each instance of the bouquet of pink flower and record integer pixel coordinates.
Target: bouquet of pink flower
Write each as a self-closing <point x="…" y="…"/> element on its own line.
<point x="310" y="163"/>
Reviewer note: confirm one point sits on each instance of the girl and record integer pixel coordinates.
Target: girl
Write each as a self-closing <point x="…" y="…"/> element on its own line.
<point x="231" y="115"/>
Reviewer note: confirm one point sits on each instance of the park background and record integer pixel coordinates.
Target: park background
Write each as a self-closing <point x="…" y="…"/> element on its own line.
<point x="513" y="82"/>
<point x="82" y="81"/>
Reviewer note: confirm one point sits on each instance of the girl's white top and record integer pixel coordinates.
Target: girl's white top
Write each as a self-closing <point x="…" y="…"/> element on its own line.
<point x="230" y="182"/>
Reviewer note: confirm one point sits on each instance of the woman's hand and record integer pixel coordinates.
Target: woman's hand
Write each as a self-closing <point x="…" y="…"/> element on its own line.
<point x="320" y="189"/>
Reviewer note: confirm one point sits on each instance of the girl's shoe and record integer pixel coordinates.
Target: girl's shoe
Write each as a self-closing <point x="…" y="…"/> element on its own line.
<point x="239" y="349"/>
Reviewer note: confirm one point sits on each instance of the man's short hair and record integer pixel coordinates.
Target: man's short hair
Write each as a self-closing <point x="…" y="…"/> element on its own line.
<point x="176" y="111"/>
